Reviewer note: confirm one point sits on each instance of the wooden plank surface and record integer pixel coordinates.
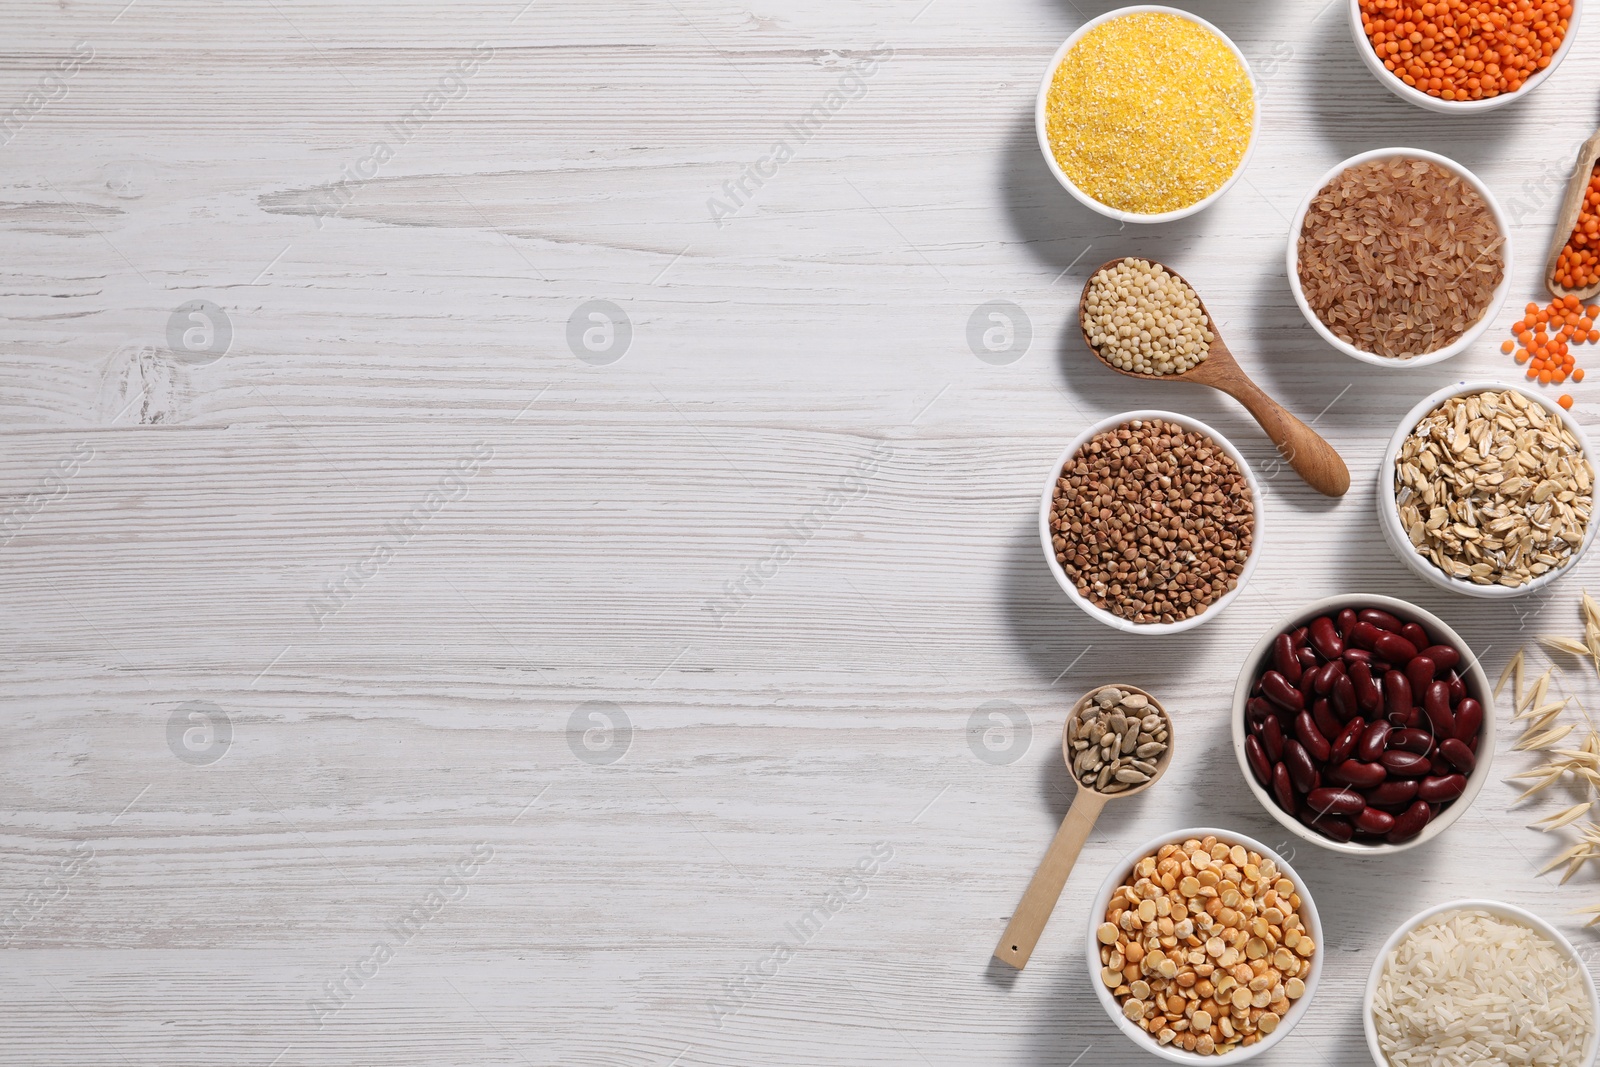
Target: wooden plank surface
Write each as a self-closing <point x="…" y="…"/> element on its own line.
<point x="533" y="746"/>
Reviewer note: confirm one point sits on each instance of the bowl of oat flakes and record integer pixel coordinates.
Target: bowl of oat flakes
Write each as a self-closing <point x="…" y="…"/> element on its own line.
<point x="1487" y="489"/>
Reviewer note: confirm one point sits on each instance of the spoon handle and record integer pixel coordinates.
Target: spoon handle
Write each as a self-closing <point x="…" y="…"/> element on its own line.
<point x="1027" y="923"/>
<point x="1300" y="446"/>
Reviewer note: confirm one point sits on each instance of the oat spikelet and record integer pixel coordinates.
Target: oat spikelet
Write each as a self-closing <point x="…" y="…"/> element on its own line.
<point x="1562" y="818"/>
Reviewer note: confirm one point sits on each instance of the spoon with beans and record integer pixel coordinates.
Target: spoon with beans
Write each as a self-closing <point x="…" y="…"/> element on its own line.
<point x="1117" y="742"/>
<point x="1143" y="320"/>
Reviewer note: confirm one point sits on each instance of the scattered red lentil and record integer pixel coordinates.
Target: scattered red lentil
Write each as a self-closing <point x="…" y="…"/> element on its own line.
<point x="1465" y="49"/>
<point x="1578" y="265"/>
<point x="1546" y="336"/>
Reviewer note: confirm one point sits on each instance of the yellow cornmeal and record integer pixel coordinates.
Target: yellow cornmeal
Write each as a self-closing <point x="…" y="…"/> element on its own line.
<point x="1149" y="112"/>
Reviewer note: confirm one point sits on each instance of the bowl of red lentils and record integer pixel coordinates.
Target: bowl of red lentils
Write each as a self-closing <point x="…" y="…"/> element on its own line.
<point x="1204" y="943"/>
<point x="1150" y="521"/>
<point x="1463" y="56"/>
<point x="1147" y="114"/>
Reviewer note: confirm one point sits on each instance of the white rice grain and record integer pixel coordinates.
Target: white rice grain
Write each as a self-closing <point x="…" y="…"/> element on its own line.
<point x="1470" y="989"/>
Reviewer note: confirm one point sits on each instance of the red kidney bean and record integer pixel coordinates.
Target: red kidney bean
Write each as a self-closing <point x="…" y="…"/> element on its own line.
<point x="1419" y="672"/>
<point x="1276" y="688"/>
<point x="1445" y="657"/>
<point x="1328" y="724"/>
<point x="1375" y="822"/>
<point x="1257" y="711"/>
<point x="1458" y="688"/>
<point x="1305" y="728"/>
<point x="1324" y="638"/>
<point x="1324" y="676"/>
<point x="1256" y="755"/>
<point x="1410" y="822"/>
<point x="1345" y="743"/>
<point x="1396" y="693"/>
<point x="1416" y="635"/>
<point x="1436" y="705"/>
<point x="1353" y="656"/>
<point x="1361" y="775"/>
<point x="1363" y="635"/>
<point x="1298" y="636"/>
<point x="1439" y="767"/>
<point x="1344" y="698"/>
<point x="1272" y="739"/>
<point x="1403" y="764"/>
<point x="1373" y="740"/>
<point x="1308" y="657"/>
<point x="1437" y="789"/>
<point x="1381" y="619"/>
<point x="1369" y="698"/>
<point x="1393" y="793"/>
<point x="1418" y="741"/>
<point x="1302" y="771"/>
<point x="1469" y="721"/>
<point x="1328" y="825"/>
<point x="1345" y="620"/>
<point x="1394" y="648"/>
<point x="1459" y="755"/>
<point x="1283" y="789"/>
<point x="1283" y="660"/>
<point x="1331" y="801"/>
<point x="1306" y="684"/>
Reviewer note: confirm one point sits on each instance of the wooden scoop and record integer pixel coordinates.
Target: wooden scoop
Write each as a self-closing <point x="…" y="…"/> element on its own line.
<point x="1301" y="447"/>
<point x="1567" y="219"/>
<point x="1027" y="923"/>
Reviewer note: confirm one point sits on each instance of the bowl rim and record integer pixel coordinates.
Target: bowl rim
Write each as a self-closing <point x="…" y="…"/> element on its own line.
<point x="1504" y="910"/>
<point x="1116" y="622"/>
<point x="1412" y="95"/>
<point x="1496" y="300"/>
<point x="1478" y="687"/>
<point x="1308" y="913"/>
<point x="1042" y="132"/>
<point x="1389" y="511"/>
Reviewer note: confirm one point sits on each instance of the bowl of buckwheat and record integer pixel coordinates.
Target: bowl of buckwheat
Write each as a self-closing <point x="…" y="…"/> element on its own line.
<point x="1487" y="489"/>
<point x="1204" y="943"/>
<point x="1151" y="522"/>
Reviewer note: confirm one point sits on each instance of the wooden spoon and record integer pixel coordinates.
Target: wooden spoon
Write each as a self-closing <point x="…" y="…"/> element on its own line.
<point x="1301" y="447"/>
<point x="1027" y="923"/>
<point x="1567" y="218"/>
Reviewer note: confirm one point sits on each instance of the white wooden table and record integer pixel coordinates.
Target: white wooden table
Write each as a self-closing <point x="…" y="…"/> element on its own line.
<point x="405" y="620"/>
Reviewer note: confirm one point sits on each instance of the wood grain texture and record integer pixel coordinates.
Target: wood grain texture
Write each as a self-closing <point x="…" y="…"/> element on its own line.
<point x="527" y="544"/>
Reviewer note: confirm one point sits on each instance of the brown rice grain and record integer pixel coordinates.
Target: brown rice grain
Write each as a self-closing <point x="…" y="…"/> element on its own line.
<point x="1399" y="257"/>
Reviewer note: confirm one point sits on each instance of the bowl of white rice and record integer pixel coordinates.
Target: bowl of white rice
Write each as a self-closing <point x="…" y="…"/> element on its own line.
<point x="1477" y="983"/>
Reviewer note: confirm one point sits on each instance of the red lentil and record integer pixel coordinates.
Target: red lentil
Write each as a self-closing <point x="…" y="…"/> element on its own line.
<point x="1465" y="49"/>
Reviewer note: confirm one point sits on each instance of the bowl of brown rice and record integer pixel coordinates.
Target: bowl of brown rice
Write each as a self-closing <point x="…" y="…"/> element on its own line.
<point x="1478" y="981"/>
<point x="1400" y="257"/>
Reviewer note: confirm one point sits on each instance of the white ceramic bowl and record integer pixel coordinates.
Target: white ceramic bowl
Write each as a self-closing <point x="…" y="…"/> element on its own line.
<point x="1146" y="1041"/>
<point x="1477" y="687"/>
<point x="1500" y="911"/>
<point x="1392" y="82"/>
<point x="1116" y="622"/>
<point x="1389" y="511"/>
<point x="1495" y="301"/>
<point x="1041" y="126"/>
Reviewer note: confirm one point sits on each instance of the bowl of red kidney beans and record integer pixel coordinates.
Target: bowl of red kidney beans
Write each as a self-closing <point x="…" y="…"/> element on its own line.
<point x="1363" y="724"/>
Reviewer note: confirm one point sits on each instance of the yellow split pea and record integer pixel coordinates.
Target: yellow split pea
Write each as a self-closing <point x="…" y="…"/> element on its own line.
<point x="1149" y="113"/>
